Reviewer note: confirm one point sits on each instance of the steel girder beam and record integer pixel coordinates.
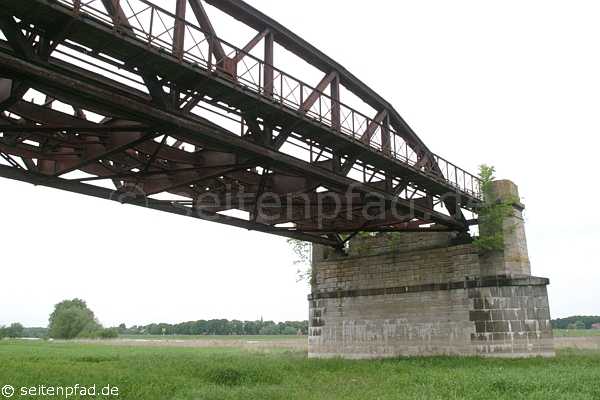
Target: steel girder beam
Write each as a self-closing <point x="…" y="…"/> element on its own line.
<point x="318" y="206"/>
<point x="298" y="46"/>
<point x="87" y="31"/>
<point x="102" y="97"/>
<point x="143" y="154"/>
<point x="42" y="114"/>
<point x="107" y="194"/>
<point x="94" y="128"/>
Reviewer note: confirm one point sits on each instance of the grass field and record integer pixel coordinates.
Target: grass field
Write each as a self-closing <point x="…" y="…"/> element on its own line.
<point x="153" y="373"/>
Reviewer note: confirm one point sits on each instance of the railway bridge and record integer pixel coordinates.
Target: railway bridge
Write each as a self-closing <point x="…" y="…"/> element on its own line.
<point x="149" y="105"/>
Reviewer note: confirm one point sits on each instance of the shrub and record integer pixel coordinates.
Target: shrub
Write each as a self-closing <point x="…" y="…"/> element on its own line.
<point x="226" y="377"/>
<point x="245" y="375"/>
<point x="491" y="214"/>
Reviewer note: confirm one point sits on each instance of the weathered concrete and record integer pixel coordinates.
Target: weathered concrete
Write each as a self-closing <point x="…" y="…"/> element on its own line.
<point x="514" y="260"/>
<point x="424" y="294"/>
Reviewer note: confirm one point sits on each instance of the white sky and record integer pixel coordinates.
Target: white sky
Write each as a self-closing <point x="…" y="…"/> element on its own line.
<point x="509" y="83"/>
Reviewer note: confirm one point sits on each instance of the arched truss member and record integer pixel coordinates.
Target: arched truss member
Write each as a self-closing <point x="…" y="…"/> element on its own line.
<point x="137" y="104"/>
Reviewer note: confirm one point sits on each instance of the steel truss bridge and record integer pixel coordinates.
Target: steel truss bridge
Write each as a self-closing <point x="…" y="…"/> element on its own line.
<point x="128" y="101"/>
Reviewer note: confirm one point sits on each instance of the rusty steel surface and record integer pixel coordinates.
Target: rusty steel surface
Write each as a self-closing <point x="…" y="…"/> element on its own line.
<point x="127" y="101"/>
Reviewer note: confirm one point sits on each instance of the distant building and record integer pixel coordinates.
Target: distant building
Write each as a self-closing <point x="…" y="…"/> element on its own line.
<point x="596" y="326"/>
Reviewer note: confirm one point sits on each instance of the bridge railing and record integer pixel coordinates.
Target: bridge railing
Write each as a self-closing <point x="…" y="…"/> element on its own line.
<point x="156" y="27"/>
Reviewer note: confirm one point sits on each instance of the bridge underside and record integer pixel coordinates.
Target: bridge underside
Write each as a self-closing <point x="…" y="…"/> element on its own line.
<point x="89" y="107"/>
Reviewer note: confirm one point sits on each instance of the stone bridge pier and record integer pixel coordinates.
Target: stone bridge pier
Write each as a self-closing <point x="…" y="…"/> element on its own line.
<point x="424" y="294"/>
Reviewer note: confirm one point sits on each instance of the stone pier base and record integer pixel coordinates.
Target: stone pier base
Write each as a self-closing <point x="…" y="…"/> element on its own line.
<point x="422" y="294"/>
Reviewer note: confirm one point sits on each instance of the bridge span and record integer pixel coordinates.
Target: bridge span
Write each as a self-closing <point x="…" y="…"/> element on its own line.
<point x="128" y="101"/>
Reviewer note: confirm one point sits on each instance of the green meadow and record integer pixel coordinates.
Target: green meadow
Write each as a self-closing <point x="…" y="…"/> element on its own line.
<point x="163" y="373"/>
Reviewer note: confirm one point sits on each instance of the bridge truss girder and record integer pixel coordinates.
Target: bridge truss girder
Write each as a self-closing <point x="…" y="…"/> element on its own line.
<point x="139" y="144"/>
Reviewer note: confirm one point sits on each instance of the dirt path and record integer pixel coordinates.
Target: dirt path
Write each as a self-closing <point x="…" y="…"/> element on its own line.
<point x="583" y="342"/>
<point x="300" y="344"/>
<point x="297" y="344"/>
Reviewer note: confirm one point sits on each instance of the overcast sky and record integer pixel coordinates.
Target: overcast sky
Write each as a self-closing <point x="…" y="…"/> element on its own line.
<point x="515" y="84"/>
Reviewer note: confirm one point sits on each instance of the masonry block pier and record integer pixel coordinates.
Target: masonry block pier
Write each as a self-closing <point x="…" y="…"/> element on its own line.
<point x="416" y="294"/>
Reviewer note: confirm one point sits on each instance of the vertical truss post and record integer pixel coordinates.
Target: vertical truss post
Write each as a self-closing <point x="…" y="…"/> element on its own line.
<point x="335" y="103"/>
<point x="386" y="139"/>
<point x="178" y="43"/>
<point x="268" y="71"/>
<point x="386" y="147"/>
<point x="179" y="32"/>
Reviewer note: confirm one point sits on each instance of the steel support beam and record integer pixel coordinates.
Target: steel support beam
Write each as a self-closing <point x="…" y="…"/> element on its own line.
<point x="298" y="46"/>
<point x="268" y="84"/>
<point x="207" y="26"/>
<point x="125" y="198"/>
<point x="98" y="97"/>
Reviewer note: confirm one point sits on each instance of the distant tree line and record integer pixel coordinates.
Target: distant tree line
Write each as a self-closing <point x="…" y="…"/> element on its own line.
<point x="70" y="319"/>
<point x="73" y="319"/>
<point x="576" y="322"/>
<point x="71" y="328"/>
<point x="14" y="330"/>
<point x="35" y="332"/>
<point x="219" y="327"/>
